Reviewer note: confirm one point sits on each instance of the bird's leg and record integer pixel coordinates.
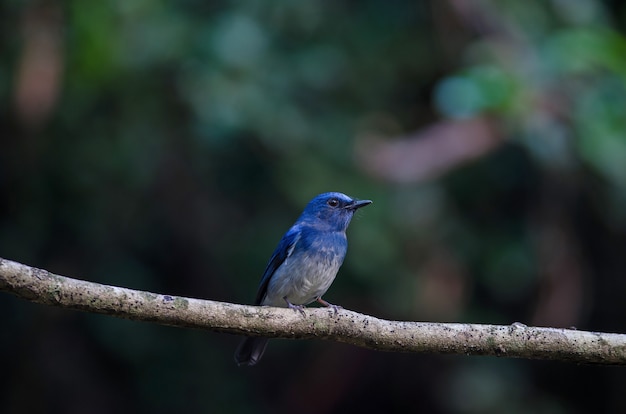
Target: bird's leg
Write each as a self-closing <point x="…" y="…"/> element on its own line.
<point x="294" y="307"/>
<point x="329" y="305"/>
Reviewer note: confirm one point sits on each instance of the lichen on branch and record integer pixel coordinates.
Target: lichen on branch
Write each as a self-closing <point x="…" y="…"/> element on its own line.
<point x="516" y="340"/>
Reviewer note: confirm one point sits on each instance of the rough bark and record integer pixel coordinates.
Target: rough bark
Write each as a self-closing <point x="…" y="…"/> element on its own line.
<point x="514" y="340"/>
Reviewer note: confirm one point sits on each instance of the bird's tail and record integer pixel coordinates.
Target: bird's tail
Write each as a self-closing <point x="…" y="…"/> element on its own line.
<point x="250" y="351"/>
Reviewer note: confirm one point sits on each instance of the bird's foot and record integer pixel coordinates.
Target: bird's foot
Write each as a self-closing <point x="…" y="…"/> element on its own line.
<point x="297" y="308"/>
<point x="329" y="305"/>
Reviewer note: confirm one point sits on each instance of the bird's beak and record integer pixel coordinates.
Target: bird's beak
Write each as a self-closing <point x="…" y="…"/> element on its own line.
<point x="356" y="204"/>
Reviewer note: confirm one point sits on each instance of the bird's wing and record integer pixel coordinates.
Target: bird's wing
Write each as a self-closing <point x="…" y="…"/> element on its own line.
<point x="283" y="251"/>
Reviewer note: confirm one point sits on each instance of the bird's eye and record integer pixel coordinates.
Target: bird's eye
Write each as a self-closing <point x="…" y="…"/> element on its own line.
<point x="333" y="202"/>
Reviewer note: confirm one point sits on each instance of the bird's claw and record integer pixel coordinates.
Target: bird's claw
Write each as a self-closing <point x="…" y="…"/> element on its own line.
<point x="297" y="308"/>
<point x="335" y="308"/>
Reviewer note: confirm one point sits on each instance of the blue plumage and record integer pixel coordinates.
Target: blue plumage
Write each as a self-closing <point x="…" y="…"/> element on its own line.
<point x="305" y="262"/>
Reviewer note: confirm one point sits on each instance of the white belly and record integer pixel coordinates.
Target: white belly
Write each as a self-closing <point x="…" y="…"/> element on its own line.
<point x="301" y="279"/>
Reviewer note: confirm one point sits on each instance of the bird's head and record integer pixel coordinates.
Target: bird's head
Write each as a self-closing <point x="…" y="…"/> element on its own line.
<point x="331" y="210"/>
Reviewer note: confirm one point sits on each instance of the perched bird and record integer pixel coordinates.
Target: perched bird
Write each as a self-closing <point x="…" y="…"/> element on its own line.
<point x="305" y="263"/>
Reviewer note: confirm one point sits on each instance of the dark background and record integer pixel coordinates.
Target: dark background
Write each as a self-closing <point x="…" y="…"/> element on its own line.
<point x="167" y="146"/>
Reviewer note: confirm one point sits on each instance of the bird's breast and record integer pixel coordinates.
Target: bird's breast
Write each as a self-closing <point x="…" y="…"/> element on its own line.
<point x="307" y="273"/>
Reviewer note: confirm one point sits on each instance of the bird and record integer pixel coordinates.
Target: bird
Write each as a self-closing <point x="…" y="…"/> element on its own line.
<point x="305" y="263"/>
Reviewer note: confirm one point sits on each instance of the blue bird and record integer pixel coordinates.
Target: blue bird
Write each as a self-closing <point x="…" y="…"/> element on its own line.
<point x="305" y="263"/>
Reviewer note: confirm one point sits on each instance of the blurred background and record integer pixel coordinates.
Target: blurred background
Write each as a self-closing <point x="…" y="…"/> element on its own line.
<point x="167" y="146"/>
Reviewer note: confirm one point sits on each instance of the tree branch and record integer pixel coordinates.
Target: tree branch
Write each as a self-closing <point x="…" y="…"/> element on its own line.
<point x="516" y="340"/>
